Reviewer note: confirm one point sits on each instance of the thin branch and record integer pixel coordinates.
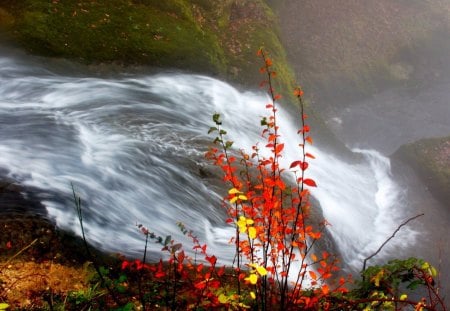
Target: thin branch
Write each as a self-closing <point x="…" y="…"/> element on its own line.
<point x="390" y="238"/>
<point x="18" y="253"/>
<point x="78" y="210"/>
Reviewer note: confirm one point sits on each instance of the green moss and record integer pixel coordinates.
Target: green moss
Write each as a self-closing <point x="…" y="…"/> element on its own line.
<point x="213" y="37"/>
<point x="120" y="31"/>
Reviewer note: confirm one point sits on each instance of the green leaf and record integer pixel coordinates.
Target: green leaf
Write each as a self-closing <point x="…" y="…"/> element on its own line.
<point x="223" y="132"/>
<point x="228" y="144"/>
<point x="167" y="240"/>
<point x="104" y="271"/>
<point x="414" y="284"/>
<point x="128" y="307"/>
<point x="216" y="118"/>
<point x="212" y="129"/>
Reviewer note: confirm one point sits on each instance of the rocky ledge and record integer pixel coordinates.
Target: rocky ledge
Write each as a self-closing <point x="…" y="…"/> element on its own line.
<point x="430" y="158"/>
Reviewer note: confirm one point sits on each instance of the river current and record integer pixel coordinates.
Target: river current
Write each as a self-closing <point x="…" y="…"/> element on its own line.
<point x="133" y="147"/>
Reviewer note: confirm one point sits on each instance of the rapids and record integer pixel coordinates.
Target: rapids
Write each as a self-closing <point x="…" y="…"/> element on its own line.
<point x="133" y="147"/>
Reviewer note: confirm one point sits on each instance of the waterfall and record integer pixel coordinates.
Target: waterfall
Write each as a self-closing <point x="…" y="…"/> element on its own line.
<point x="133" y="147"/>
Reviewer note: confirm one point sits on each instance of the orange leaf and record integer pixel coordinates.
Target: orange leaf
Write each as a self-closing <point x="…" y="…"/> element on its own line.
<point x="279" y="148"/>
<point x="298" y="92"/>
<point x="309" y="155"/>
<point x="309" y="140"/>
<point x="313" y="275"/>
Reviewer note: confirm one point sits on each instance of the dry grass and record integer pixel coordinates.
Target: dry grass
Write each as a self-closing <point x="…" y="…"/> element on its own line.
<point x="24" y="283"/>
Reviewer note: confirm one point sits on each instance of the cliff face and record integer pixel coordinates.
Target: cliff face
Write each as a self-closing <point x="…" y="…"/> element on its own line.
<point x="345" y="50"/>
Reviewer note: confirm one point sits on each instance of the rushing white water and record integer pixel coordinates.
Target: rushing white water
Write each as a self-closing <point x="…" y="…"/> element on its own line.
<point x="133" y="148"/>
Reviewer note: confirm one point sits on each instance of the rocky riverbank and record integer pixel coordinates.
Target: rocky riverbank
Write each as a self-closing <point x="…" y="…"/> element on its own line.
<point x="430" y="158"/>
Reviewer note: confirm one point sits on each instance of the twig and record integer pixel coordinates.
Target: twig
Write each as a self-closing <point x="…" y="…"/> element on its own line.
<point x="18" y="253"/>
<point x="390" y="238"/>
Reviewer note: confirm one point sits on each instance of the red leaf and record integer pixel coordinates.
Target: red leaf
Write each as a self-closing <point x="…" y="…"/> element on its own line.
<point x="212" y="260"/>
<point x="309" y="140"/>
<point x="309" y="182"/>
<point x="8" y="245"/>
<point x="214" y="284"/>
<point x="295" y="163"/>
<point x="200" y="285"/>
<point x="304" y="166"/>
<point x="160" y="273"/>
<point x="125" y="264"/>
<point x="200" y="268"/>
<point x="221" y="271"/>
<point x="181" y="257"/>
<point x="203" y="248"/>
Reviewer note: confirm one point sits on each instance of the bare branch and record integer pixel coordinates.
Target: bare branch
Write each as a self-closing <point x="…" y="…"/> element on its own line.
<point x="390" y="238"/>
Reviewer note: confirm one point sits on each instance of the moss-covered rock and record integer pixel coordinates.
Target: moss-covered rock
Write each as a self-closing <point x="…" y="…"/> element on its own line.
<point x="213" y="37"/>
<point x="431" y="160"/>
<point x="140" y="32"/>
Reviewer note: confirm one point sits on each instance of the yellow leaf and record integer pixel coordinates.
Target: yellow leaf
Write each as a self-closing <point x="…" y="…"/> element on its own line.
<point x="233" y="191"/>
<point x="403" y="297"/>
<point x="233" y="200"/>
<point x="253" y="295"/>
<point x="223" y="298"/>
<point x="242" y="224"/>
<point x="242" y="197"/>
<point x="252" y="278"/>
<point x="252" y="232"/>
<point x="261" y="270"/>
<point x="433" y="271"/>
<point x="376" y="278"/>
